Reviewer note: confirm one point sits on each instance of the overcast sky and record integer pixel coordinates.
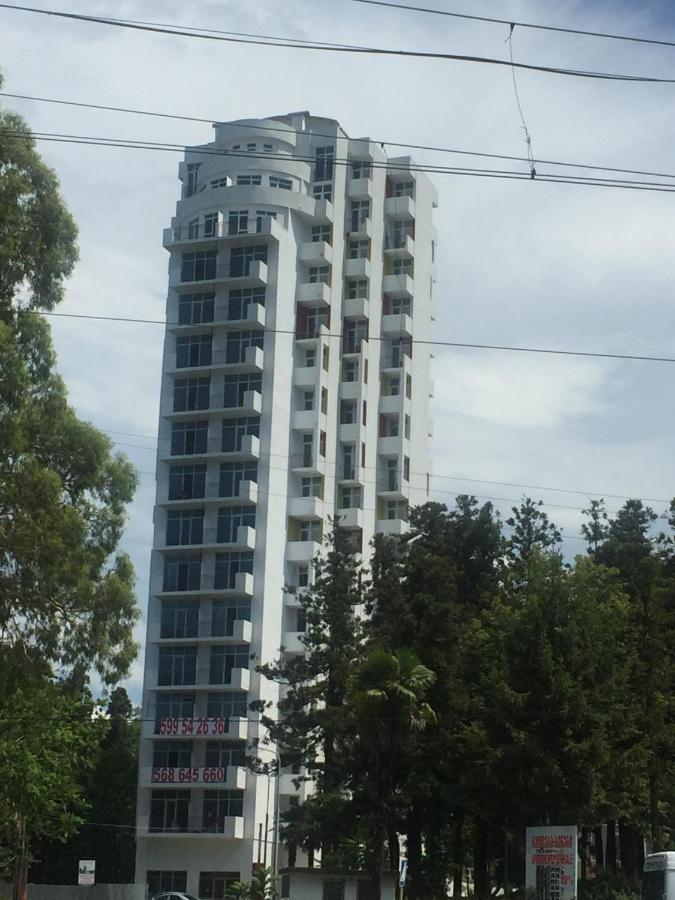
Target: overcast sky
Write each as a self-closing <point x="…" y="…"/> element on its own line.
<point x="541" y="265"/>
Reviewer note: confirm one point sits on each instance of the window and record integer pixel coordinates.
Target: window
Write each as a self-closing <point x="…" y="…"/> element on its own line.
<point x="235" y="386"/>
<point x="322" y="233"/>
<point x="159" y="881"/>
<point x="242" y="257"/>
<point x="252" y="180"/>
<point x="355" y="333"/>
<point x="406" y="468"/>
<point x="400" y="230"/>
<point x="348" y="460"/>
<point x="199" y="265"/>
<point x="395" y="306"/>
<point x="228" y="705"/>
<point x="192" y="229"/>
<point x="221" y="182"/>
<point x="237" y="221"/>
<point x="224" y="659"/>
<point x="179" y="619"/>
<point x="231" y="476"/>
<point x="262" y="219"/>
<point x="191" y="393"/>
<point x="325" y="358"/>
<point x="268" y="148"/>
<point x="238" y="343"/>
<point x="307" y="450"/>
<point x="184" y="526"/>
<point x="195" y="309"/>
<point x="193" y="350"/>
<point x="225" y="753"/>
<point x="404" y="188"/>
<point x="324" y="400"/>
<point x="359" y="213"/>
<point x="182" y="573"/>
<point x="251" y="148"/>
<point x="174" y="706"/>
<point x="169" y="810"/>
<point x="312" y="487"/>
<point x="361" y="169"/>
<point x="396" y="509"/>
<point x="218" y="885"/>
<point x="225" y="613"/>
<point x="323" y="191"/>
<point x="310" y="358"/>
<point x="323" y="166"/>
<point x="285" y="183"/>
<point x="319" y="274"/>
<point x="239" y="301"/>
<point x="189" y="437"/>
<point x="406" y="427"/>
<point x="399" y="350"/>
<point x="186" y="483"/>
<point x="231" y="518"/>
<point x="333" y="889"/>
<point x="236" y="146"/>
<point x="389" y="426"/>
<point x="192" y="175"/>
<point x="350" y="498"/>
<point x="310" y="530"/>
<point x="235" y="430"/>
<point x="228" y="566"/>
<point x="322" y="443"/>
<point x="171" y="753"/>
<point x="347" y="412"/>
<point x="402" y="266"/>
<point x="363" y="454"/>
<point x="218" y="806"/>
<point x="308" y="400"/>
<point x="392" y="386"/>
<point x="357" y="289"/>
<point x="210" y="224"/>
<point x="310" y="319"/>
<point x="304" y="575"/>
<point x="359" y="249"/>
<point x="177" y="665"/>
<point x="350" y="370"/>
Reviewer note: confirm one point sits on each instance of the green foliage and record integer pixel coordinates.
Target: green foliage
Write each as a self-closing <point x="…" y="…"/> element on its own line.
<point x="262" y="886"/>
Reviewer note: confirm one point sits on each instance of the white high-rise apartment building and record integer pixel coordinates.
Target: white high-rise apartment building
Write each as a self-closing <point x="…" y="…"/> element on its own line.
<point x="293" y="389"/>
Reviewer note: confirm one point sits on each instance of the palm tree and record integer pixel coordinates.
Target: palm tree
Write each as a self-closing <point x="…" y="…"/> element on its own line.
<point x="387" y="700"/>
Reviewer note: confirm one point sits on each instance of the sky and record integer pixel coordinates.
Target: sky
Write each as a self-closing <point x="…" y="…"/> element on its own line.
<point x="519" y="262"/>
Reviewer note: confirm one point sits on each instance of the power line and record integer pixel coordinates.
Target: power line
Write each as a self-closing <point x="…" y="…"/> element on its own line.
<point x="291" y="43"/>
<point x="335" y="137"/>
<point x="520" y="24"/>
<point x="503" y="174"/>
<point x="431" y="343"/>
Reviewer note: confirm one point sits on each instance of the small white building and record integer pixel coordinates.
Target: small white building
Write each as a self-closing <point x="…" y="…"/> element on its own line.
<point x="295" y="386"/>
<point x="334" y="884"/>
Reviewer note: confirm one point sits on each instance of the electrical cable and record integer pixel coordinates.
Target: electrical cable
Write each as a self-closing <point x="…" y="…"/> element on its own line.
<point x="335" y="137"/>
<point x="519" y="23"/>
<point x="276" y="41"/>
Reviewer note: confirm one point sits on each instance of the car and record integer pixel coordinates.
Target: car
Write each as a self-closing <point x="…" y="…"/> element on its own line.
<point x="173" y="895"/>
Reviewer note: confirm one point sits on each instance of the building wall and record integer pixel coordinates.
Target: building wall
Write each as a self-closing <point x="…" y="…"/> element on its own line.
<point x="389" y="433"/>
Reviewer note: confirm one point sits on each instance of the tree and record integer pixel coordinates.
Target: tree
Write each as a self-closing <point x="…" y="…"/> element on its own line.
<point x="312" y="730"/>
<point x="386" y="694"/>
<point x="66" y="594"/>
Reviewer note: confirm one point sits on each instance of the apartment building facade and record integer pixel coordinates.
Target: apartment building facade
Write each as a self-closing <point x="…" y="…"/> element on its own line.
<point x="293" y="389"/>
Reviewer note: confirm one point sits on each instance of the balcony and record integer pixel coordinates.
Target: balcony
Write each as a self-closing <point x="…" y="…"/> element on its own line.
<point x="292" y="643"/>
<point x="239" y="680"/>
<point x="351" y="432"/>
<point x="391" y="526"/>
<point x="247" y="492"/>
<point x="305" y="419"/>
<point x="255" y="274"/>
<point x="308" y="337"/>
<point x="302" y="551"/>
<point x="403" y="248"/>
<point x="393" y="403"/>
<point x="186" y="235"/>
<point x="391" y="445"/>
<point x="397" y="325"/>
<point x="295" y="786"/>
<point x="306" y="376"/>
<point x="316" y="253"/>
<point x="399" y="287"/>
<point x="361" y="228"/>
<point x="323" y="212"/>
<point x="351" y="517"/>
<point x="360" y="188"/>
<point x="313" y="294"/>
<point x="357" y="268"/>
<point x="307" y="464"/>
<point x="355" y="309"/>
<point x="248" y="449"/>
<point x="306" y="507"/>
<point x="241" y="587"/>
<point x="248" y="403"/>
<point x="255" y="316"/>
<point x="399" y="207"/>
<point x="244" y="539"/>
<point x="252" y="361"/>
<point x="352" y="390"/>
<point x="350" y="474"/>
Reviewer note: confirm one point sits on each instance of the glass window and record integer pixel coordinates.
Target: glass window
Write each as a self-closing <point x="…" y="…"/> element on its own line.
<point x="227" y="705"/>
<point x="192" y="175"/>
<point x="333" y="889"/>
<point x="348" y="468"/>
<point x="210" y="224"/>
<point x="189" y="437"/>
<point x="193" y="350"/>
<point x="323" y="166"/>
<point x="225" y="613"/>
<point x="235" y="430"/>
<point x="310" y="358"/>
<point x="312" y="487"/>
<point x="237" y="221"/>
<point x="238" y="385"/>
<point x="402" y="266"/>
<point x="221" y="182"/>
<point x="177" y="665"/>
<point x="359" y="249"/>
<point x="239" y="301"/>
<point x="187" y="482"/>
<point x="231" y="476"/>
<point x="359" y="213"/>
<point x="195" y="309"/>
<point x="228" y="566"/>
<point x="357" y="289"/>
<point x="238" y="343"/>
<point x="310" y="530"/>
<point x="184" y="526"/>
<point x="252" y="180"/>
<point x="347" y="412"/>
<point x="179" y="618"/>
<point x="198" y="265"/>
<point x="174" y="706"/>
<point x="230" y="519"/>
<point x="169" y="810"/>
<point x="308" y="400"/>
<point x="350" y="370"/>
<point x="242" y="257"/>
<point x="159" y="881"/>
<point x="404" y="188"/>
<point x="361" y="169"/>
<point x="218" y="885"/>
<point x="225" y="753"/>
<point x="172" y="753"/>
<point x="268" y="148"/>
<point x="323" y="191"/>
<point x="191" y="393"/>
<point x="285" y="183"/>
<point x="322" y="233"/>
<point x="355" y="333"/>
<point x="319" y="274"/>
<point x="182" y="573"/>
<point x="218" y="806"/>
<point x="224" y="659"/>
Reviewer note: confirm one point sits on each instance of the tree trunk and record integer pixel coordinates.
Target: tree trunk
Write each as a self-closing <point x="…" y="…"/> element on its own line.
<point x="626" y="853"/>
<point x="583" y="853"/>
<point x="599" y="849"/>
<point x="480" y="860"/>
<point x="610" y="853"/>
<point x="654" y="817"/>
<point x="393" y="853"/>
<point x="458" y="858"/>
<point x="414" y="850"/>
<point x="20" y="868"/>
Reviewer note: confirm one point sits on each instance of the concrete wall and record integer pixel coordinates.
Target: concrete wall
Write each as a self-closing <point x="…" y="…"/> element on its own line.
<point x="75" y="892"/>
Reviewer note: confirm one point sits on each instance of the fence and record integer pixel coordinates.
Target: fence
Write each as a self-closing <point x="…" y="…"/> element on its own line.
<point x="74" y="892"/>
